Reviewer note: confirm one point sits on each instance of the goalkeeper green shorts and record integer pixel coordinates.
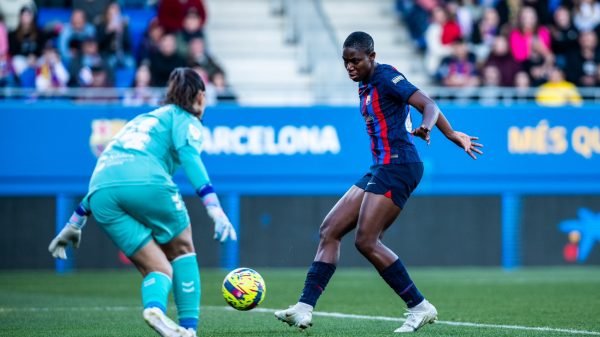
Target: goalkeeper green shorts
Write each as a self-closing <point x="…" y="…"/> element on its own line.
<point x="133" y="215"/>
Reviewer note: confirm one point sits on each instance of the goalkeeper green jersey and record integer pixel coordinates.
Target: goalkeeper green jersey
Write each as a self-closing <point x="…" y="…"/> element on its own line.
<point x="150" y="148"/>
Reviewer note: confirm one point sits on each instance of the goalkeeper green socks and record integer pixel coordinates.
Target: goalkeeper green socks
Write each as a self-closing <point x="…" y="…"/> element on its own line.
<point x="186" y="289"/>
<point x="155" y="290"/>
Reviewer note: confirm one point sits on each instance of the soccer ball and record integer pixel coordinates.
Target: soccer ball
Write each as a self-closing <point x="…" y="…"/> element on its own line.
<point x="244" y="289"/>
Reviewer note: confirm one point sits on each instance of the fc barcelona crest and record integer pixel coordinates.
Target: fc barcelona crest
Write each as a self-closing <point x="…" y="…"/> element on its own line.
<point x="103" y="130"/>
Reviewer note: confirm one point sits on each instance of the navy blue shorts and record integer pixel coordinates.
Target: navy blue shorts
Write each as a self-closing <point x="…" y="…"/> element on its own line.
<point x="395" y="181"/>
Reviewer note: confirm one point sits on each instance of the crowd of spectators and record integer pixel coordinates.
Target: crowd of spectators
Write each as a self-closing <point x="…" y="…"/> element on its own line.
<point x="550" y="46"/>
<point x="95" y="49"/>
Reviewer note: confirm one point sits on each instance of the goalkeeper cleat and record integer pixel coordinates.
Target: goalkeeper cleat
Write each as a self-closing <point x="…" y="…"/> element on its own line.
<point x="299" y="315"/>
<point x="165" y="327"/>
<point x="418" y="316"/>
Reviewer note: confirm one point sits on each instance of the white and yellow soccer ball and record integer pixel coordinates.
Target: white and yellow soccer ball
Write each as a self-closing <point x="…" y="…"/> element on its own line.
<point x="244" y="289"/>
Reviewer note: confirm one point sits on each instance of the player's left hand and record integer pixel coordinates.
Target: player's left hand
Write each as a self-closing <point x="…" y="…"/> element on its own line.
<point x="223" y="228"/>
<point x="69" y="234"/>
<point x="467" y="143"/>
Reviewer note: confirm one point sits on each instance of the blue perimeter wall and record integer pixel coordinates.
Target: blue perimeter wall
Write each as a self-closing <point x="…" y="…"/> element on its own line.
<point x="49" y="149"/>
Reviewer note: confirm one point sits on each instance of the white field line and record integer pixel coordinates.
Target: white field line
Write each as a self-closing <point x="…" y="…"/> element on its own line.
<point x="316" y="313"/>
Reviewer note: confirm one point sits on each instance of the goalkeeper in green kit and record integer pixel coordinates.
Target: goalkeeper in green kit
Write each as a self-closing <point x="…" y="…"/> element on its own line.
<point x="136" y="203"/>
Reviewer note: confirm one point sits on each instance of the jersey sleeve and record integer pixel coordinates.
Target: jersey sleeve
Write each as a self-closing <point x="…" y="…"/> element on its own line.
<point x="187" y="141"/>
<point x="187" y="132"/>
<point x="193" y="166"/>
<point x="397" y="86"/>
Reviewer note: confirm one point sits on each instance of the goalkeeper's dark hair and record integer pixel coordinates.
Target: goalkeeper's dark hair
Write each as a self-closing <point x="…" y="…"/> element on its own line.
<point x="360" y="41"/>
<point x="183" y="88"/>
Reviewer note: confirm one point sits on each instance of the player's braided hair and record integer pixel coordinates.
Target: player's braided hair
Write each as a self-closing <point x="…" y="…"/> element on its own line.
<point x="184" y="86"/>
<point x="360" y="41"/>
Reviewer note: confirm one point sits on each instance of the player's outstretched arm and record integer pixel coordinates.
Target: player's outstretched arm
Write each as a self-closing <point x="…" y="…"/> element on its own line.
<point x="461" y="139"/>
<point x="71" y="232"/>
<point x="432" y="115"/>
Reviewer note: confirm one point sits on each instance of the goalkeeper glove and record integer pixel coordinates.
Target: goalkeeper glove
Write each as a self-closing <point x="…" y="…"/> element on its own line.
<point x="223" y="228"/>
<point x="70" y="233"/>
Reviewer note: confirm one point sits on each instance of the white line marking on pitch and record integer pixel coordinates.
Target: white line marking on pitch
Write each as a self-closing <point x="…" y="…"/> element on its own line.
<point x="316" y="313"/>
<point x="467" y="324"/>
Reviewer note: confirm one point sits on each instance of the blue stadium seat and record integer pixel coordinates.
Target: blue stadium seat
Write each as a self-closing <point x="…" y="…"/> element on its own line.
<point x="138" y="22"/>
<point x="124" y="77"/>
<point x="51" y="15"/>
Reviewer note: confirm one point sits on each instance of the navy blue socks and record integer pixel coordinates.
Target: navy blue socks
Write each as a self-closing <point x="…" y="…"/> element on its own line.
<point x="317" y="278"/>
<point x="398" y="279"/>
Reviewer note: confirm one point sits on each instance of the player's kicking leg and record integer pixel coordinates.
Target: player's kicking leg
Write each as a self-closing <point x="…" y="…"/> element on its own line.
<point x="377" y="213"/>
<point x="340" y="220"/>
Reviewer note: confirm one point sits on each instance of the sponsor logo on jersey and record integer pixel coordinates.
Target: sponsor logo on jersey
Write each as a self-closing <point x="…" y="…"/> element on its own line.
<point x="397" y="79"/>
<point x="194" y="132"/>
<point x="368" y="100"/>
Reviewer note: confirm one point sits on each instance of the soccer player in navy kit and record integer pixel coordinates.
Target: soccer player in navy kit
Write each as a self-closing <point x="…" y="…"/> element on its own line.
<point x="374" y="202"/>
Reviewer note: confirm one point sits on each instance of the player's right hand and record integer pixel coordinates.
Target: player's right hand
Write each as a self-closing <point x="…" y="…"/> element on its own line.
<point x="223" y="228"/>
<point x="69" y="234"/>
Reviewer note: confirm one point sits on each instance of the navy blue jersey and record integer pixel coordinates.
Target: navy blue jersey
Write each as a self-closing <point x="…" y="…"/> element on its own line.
<point x="384" y="106"/>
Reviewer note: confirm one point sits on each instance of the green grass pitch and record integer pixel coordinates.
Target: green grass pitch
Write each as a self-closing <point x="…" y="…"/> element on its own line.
<point x="471" y="302"/>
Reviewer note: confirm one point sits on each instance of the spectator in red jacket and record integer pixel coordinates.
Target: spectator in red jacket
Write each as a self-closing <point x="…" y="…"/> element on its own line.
<point x="172" y="12"/>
